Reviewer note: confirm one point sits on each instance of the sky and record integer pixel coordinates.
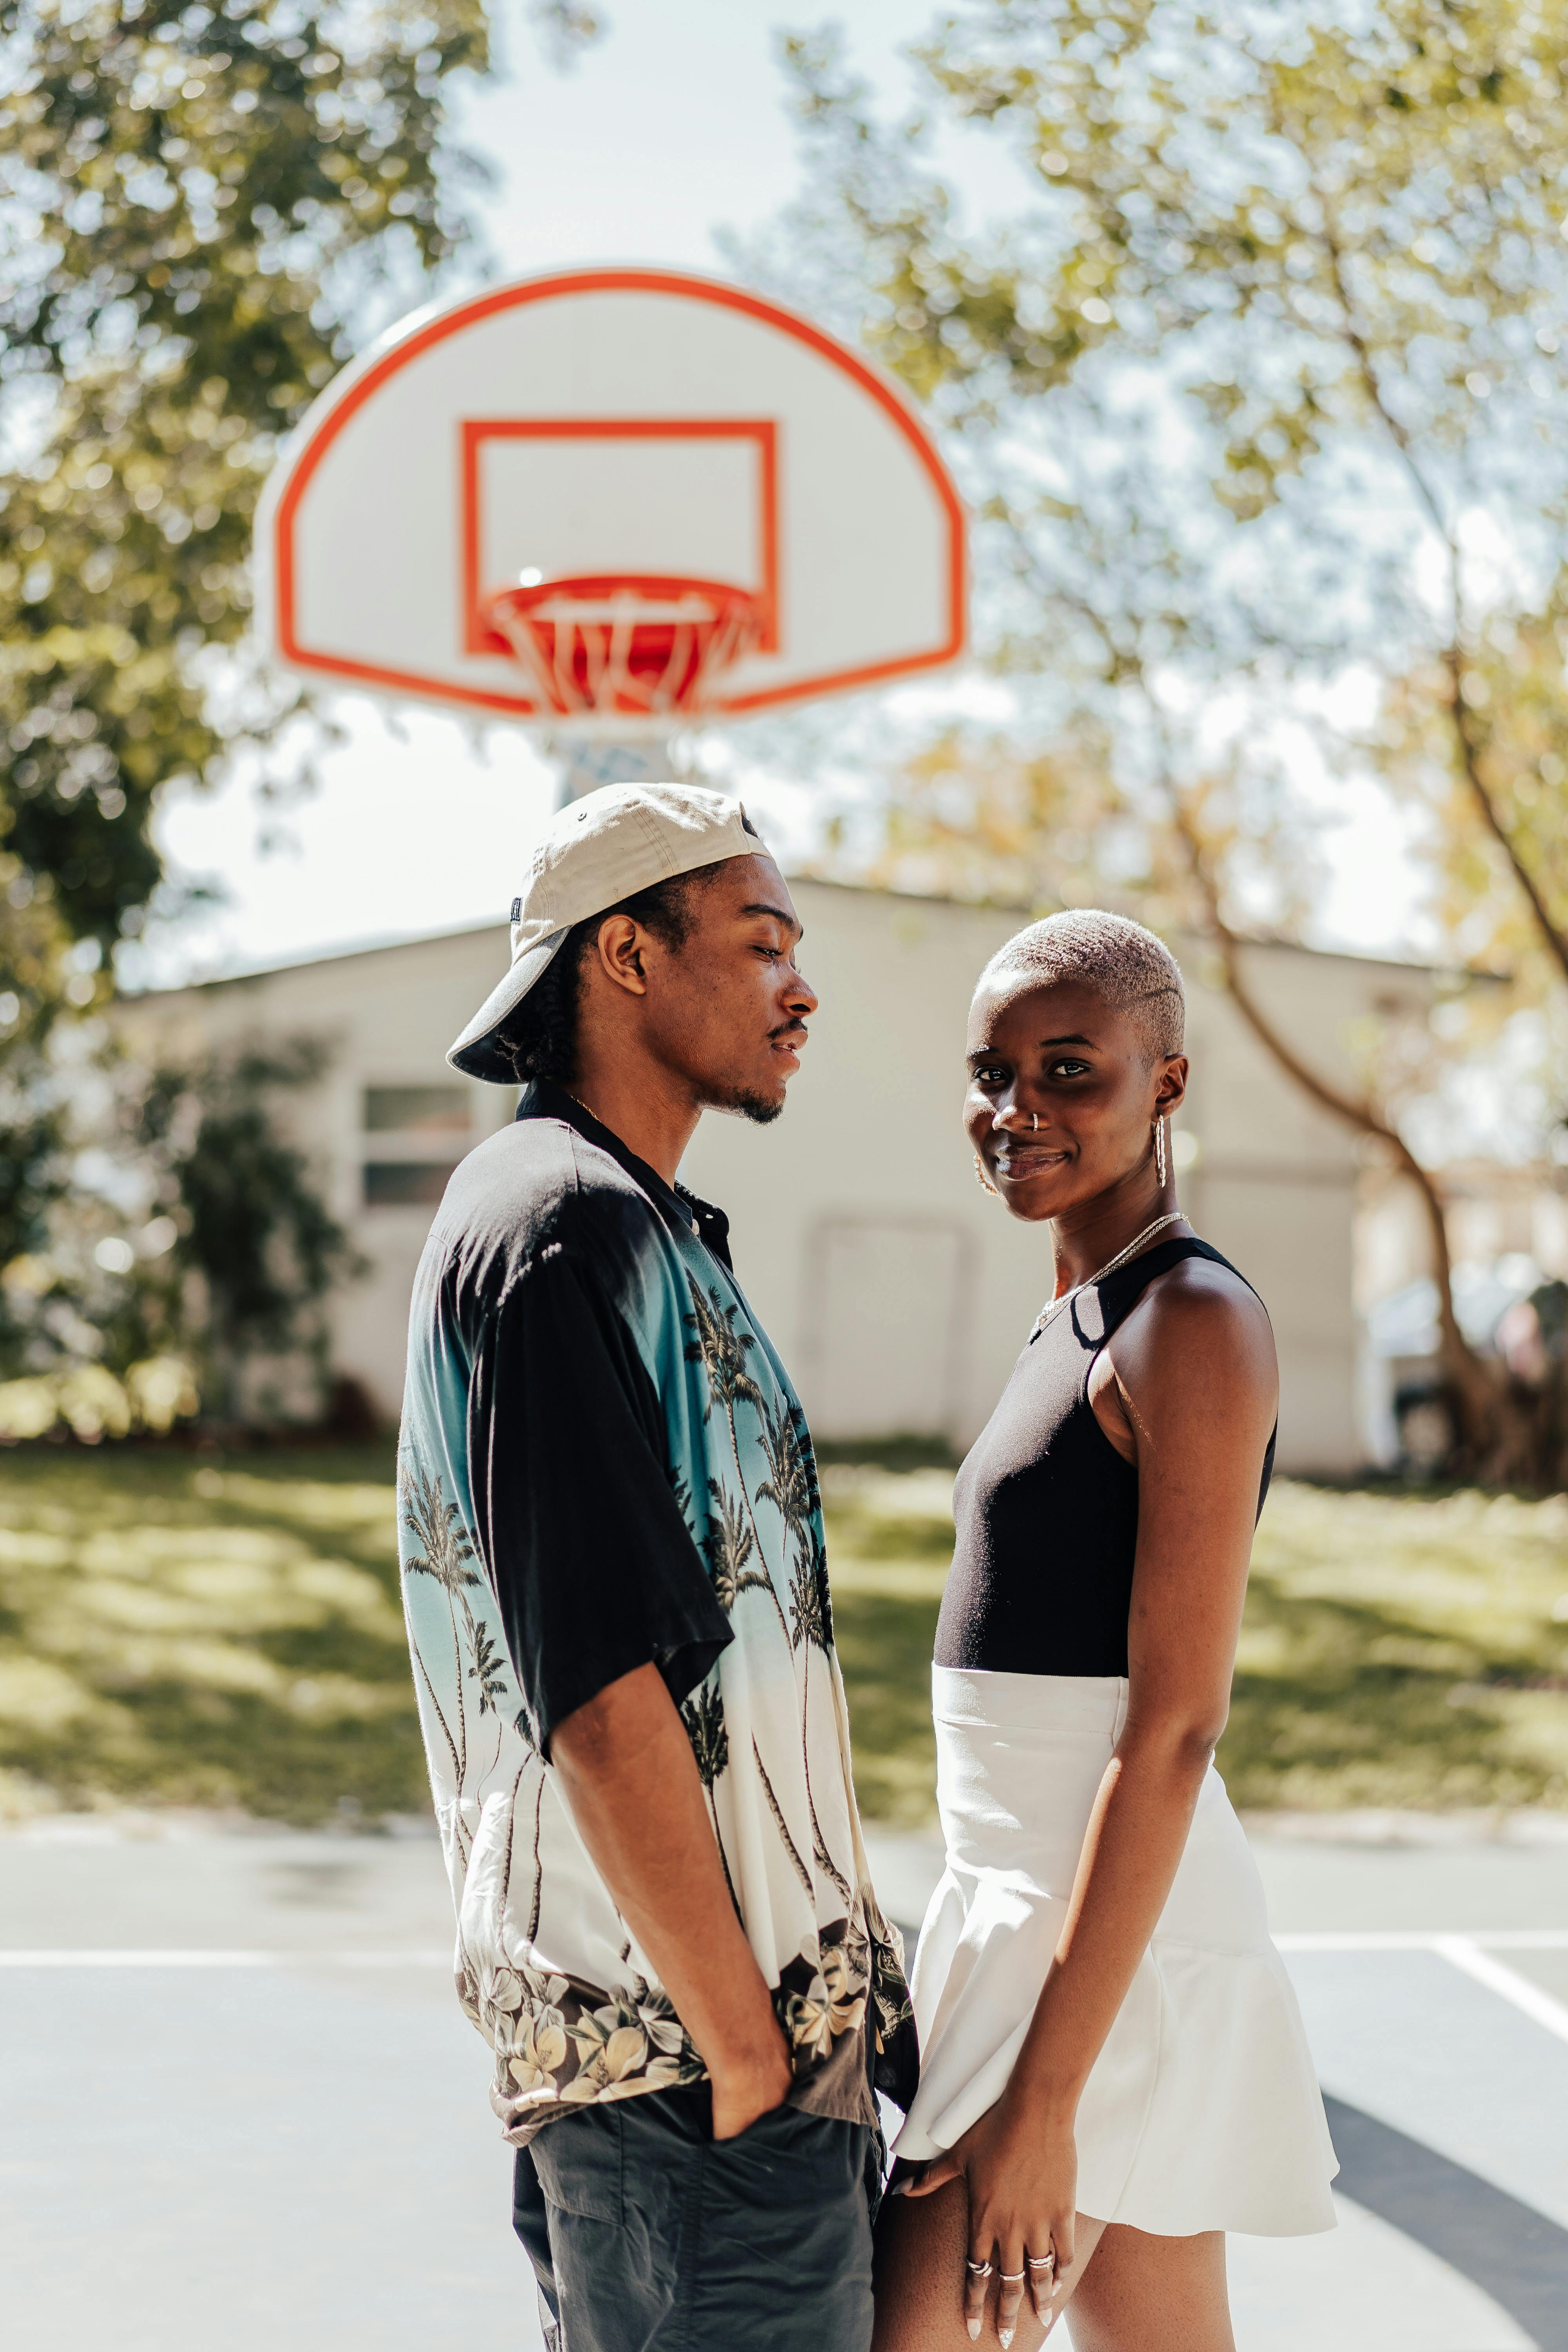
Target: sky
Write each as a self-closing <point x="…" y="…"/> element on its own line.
<point x="675" y="126"/>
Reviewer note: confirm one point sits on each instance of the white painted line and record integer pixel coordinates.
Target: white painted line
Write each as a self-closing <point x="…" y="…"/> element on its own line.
<point x="1360" y="1939"/>
<point x="1417" y="1939"/>
<point x="1464" y="1953"/>
<point x="141" y="1957"/>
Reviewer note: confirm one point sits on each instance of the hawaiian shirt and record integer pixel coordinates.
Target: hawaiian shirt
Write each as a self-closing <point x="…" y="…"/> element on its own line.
<point x="603" y="1464"/>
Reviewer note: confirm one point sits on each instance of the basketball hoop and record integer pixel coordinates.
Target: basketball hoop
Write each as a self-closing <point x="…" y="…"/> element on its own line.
<point x="613" y="505"/>
<point x="626" y="645"/>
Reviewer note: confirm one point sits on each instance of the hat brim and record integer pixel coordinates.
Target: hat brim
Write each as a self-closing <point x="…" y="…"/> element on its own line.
<point x="477" y="1052"/>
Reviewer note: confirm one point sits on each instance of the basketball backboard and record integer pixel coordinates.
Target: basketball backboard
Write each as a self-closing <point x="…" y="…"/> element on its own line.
<point x="611" y="500"/>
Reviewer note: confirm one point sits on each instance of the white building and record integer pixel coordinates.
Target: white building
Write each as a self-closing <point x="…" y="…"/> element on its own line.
<point x="897" y="1291"/>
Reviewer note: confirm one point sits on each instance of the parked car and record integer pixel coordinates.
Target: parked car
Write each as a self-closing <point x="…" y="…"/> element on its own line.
<point x="1508" y="1309"/>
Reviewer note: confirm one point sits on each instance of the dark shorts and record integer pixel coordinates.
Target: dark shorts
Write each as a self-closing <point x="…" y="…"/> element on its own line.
<point x="647" y="2235"/>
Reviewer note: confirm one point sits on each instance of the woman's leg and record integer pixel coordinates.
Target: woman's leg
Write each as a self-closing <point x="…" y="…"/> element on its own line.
<point x="1131" y="2290"/>
<point x="921" y="2245"/>
<point x="1141" y="2291"/>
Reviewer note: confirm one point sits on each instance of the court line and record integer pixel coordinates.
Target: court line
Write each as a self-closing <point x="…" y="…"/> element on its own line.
<point x="1463" y="1952"/>
<point x="1448" y="1943"/>
<point x="1424" y="1939"/>
<point x="194" y="1956"/>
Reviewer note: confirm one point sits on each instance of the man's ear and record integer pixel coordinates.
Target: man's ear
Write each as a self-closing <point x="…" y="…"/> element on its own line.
<point x="619" y="951"/>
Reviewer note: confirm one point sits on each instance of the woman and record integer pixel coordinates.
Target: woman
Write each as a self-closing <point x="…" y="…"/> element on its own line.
<point x="1113" y="2069"/>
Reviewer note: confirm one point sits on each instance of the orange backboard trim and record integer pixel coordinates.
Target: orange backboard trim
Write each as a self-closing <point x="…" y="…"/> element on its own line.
<point x="598" y="281"/>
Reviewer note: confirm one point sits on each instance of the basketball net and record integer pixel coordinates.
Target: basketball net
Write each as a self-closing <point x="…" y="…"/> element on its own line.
<point x="644" y="646"/>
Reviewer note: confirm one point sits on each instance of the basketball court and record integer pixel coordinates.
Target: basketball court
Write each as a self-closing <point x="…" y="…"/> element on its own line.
<point x="282" y="2135"/>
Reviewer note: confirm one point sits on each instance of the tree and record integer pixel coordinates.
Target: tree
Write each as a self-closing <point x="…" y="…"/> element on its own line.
<point x="1261" y="389"/>
<point x="166" y="1244"/>
<point x="252" y="1231"/>
<point x="201" y="213"/>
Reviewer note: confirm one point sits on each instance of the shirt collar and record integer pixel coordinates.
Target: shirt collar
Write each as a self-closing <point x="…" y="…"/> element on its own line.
<point x="544" y="1098"/>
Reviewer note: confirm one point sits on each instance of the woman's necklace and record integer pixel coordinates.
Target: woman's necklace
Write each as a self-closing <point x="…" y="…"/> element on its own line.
<point x="1171" y="1217"/>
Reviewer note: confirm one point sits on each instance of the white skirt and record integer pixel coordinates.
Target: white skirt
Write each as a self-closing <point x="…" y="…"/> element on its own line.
<point x="1202" y="2111"/>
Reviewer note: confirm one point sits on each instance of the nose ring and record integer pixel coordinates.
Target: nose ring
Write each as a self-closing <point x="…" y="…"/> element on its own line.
<point x="1034" y="1122"/>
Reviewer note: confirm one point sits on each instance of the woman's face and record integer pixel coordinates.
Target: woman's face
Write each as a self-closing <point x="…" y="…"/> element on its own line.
<point x="1081" y="1067"/>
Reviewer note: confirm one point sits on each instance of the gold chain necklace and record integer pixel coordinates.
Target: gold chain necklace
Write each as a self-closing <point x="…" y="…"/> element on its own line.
<point x="593" y="1115"/>
<point x="1171" y="1217"/>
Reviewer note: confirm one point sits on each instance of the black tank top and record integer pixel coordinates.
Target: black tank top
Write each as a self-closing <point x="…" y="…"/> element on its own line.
<point x="1046" y="1509"/>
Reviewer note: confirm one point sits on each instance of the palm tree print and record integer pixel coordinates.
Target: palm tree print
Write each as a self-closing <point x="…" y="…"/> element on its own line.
<point x="728" y="1546"/>
<point x="705" y="1727"/>
<point x="790" y="1483"/>
<point x="780" y="1824"/>
<point x="791" y="1488"/>
<point x="721" y="1351"/>
<point x="448" y="1554"/>
<point x="810" y="1633"/>
<point x="682" y="1494"/>
<point x="537" y="1898"/>
<point x="488" y="1670"/>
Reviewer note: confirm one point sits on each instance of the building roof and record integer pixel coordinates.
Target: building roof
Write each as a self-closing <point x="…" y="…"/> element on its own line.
<point x="388" y="942"/>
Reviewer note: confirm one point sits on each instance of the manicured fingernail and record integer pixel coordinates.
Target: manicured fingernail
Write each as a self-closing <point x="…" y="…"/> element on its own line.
<point x="1003" y="2337"/>
<point x="973" y="2327"/>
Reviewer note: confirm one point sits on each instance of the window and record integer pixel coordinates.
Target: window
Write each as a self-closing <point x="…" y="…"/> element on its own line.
<point x="406" y="1183"/>
<point x="416" y="1110"/>
<point x="420" y="1133"/>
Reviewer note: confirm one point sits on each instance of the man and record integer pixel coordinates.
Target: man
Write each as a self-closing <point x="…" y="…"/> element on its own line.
<point x="618" y="1610"/>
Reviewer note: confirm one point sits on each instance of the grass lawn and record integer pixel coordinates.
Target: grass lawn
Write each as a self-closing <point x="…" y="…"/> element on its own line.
<point x="215" y="1631"/>
<point x="224" y="1631"/>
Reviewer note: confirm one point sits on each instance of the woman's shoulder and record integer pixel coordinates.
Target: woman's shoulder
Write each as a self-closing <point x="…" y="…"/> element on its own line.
<point x="1199" y="1310"/>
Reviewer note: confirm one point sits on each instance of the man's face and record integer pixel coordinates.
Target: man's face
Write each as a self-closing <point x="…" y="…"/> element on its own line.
<point x="726" y="1012"/>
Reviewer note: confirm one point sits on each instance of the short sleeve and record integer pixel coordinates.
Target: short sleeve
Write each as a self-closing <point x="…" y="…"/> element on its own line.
<point x="594" y="1565"/>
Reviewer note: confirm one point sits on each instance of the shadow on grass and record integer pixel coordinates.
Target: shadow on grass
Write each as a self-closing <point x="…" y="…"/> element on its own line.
<point x="226" y="1629"/>
<point x="216" y="1630"/>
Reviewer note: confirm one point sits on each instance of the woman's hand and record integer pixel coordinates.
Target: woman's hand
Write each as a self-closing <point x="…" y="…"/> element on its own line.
<point x="1019" y="2164"/>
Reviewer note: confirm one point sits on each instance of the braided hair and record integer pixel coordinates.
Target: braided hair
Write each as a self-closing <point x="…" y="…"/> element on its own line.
<point x="539" y="1038"/>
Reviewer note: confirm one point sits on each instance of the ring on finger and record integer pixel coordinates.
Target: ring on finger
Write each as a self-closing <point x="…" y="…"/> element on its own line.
<point x="977" y="2270"/>
<point x="1041" y="2262"/>
<point x="1012" y="2278"/>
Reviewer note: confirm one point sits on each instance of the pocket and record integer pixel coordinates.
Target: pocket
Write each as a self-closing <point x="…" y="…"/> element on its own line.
<point x="787" y="2157"/>
<point x="580" y="2162"/>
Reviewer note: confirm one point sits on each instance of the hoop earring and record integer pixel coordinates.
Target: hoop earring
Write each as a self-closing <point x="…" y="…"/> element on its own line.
<point x="983" y="1181"/>
<point x="1160" y="1151"/>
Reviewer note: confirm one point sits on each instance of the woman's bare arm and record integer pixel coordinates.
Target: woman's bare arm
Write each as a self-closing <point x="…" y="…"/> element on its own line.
<point x="1194" y="1375"/>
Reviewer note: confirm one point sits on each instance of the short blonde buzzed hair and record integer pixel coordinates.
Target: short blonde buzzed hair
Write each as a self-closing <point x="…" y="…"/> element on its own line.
<point x="1117" y="959"/>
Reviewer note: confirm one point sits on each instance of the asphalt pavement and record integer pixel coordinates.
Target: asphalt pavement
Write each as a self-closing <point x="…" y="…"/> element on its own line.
<point x="239" y="2104"/>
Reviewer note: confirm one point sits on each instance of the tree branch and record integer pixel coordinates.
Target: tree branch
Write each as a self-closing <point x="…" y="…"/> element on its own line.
<point x="1553" y="936"/>
<point x="1473" y="1386"/>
